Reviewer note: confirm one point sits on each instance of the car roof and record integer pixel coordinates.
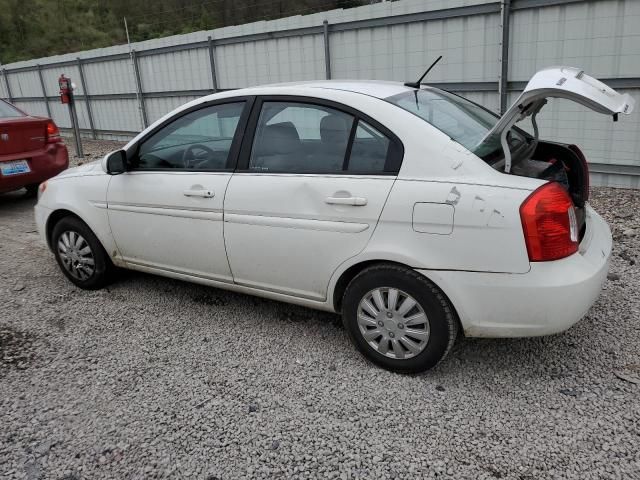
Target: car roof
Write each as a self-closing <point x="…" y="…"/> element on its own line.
<point x="373" y="88"/>
<point x="379" y="89"/>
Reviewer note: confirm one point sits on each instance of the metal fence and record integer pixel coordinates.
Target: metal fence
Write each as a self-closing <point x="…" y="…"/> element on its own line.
<point x="490" y="50"/>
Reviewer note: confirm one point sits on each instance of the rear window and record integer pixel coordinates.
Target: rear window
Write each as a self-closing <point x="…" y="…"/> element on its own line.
<point x="462" y="120"/>
<point x="8" y="111"/>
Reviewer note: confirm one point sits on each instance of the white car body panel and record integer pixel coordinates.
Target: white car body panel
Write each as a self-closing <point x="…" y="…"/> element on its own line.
<point x="573" y="84"/>
<point x="484" y="214"/>
<point x="548" y="299"/>
<point x="447" y="214"/>
<point x="83" y="192"/>
<point x="277" y="229"/>
<point x="151" y="215"/>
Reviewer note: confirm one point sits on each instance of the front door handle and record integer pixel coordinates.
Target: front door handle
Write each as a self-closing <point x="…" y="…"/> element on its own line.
<point x="199" y="193"/>
<point x="355" y="201"/>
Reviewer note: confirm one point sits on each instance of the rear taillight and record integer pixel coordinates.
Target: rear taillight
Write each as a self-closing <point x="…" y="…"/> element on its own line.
<point x="549" y="223"/>
<point x="52" y="134"/>
<point x="585" y="169"/>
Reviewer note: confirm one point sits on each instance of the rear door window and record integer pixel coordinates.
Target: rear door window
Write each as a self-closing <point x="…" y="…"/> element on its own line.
<point x="298" y="137"/>
<point x="302" y="138"/>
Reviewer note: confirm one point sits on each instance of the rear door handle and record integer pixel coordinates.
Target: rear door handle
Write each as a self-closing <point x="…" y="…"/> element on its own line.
<point x="199" y="193"/>
<point x="355" y="201"/>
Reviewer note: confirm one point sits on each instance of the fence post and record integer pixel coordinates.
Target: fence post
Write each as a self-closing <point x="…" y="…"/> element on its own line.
<point x="44" y="91"/>
<point x="141" y="104"/>
<point x="212" y="63"/>
<point x="503" y="79"/>
<point x="86" y="99"/>
<point x="327" y="50"/>
<point x="6" y="82"/>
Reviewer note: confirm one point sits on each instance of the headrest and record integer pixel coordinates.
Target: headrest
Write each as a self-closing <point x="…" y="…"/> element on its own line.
<point x="334" y="129"/>
<point x="278" y="139"/>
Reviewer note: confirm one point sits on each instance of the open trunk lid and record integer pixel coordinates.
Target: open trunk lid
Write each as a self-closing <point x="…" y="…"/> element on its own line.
<point x="562" y="82"/>
<point x="546" y="160"/>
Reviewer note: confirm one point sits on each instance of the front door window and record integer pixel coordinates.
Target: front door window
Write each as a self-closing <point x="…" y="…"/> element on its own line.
<point x="199" y="140"/>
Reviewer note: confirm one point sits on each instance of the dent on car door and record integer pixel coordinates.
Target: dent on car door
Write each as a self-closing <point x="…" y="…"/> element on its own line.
<point x="165" y="212"/>
<point x="308" y="193"/>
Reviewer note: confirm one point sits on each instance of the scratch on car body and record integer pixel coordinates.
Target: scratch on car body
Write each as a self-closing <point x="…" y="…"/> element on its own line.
<point x="496" y="219"/>
<point x="479" y="203"/>
<point x="454" y="196"/>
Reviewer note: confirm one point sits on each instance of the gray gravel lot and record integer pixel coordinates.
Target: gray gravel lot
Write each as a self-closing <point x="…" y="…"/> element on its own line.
<point x="156" y="378"/>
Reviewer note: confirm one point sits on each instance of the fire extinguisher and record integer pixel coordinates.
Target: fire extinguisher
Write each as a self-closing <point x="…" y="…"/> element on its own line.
<point x="66" y="91"/>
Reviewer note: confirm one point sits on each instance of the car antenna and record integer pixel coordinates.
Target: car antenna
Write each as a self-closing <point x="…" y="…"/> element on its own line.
<point x="417" y="84"/>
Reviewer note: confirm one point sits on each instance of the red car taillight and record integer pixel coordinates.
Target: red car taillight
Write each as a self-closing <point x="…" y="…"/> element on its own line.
<point x="549" y="223"/>
<point x="52" y="133"/>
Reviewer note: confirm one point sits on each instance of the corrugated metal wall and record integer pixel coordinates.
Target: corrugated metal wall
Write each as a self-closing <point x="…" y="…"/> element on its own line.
<point x="390" y="41"/>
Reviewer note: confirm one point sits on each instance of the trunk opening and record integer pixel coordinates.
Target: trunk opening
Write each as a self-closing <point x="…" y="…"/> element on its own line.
<point x="560" y="163"/>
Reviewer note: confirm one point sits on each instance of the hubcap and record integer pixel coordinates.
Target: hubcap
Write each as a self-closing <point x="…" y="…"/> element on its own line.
<point x="76" y="255"/>
<point x="393" y="323"/>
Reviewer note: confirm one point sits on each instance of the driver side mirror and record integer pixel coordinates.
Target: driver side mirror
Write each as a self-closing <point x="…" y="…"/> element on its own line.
<point x="117" y="162"/>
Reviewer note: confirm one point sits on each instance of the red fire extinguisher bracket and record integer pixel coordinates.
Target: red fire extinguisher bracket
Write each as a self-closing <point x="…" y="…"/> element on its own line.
<point x="66" y="96"/>
<point x="66" y="91"/>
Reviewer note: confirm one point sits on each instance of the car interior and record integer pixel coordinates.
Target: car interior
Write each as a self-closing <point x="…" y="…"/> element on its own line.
<point x="317" y="143"/>
<point x="290" y="137"/>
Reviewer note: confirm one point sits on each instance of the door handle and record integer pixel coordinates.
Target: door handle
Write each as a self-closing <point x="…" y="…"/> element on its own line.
<point x="199" y="193"/>
<point x="355" y="201"/>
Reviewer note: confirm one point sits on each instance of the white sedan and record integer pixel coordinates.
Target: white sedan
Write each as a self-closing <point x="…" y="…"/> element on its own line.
<point x="413" y="212"/>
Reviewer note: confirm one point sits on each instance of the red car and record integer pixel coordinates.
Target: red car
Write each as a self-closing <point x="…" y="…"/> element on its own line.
<point x="31" y="150"/>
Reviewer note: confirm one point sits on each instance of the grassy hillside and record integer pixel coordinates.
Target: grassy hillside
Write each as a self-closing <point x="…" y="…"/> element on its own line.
<point x="39" y="28"/>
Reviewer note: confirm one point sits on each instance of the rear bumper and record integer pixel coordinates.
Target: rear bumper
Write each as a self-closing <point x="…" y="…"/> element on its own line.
<point x="44" y="164"/>
<point x="548" y="299"/>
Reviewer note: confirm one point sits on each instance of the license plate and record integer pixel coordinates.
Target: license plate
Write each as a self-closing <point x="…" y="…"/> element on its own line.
<point x="15" y="167"/>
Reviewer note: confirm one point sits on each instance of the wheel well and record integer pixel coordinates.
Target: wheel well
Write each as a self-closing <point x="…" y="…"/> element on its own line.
<point x="349" y="274"/>
<point x="54" y="218"/>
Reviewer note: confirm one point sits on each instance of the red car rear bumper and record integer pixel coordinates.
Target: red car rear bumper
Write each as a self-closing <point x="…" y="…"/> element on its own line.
<point x="44" y="164"/>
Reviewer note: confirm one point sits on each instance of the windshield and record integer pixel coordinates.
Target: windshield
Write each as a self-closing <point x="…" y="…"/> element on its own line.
<point x="462" y="120"/>
<point x="7" y="111"/>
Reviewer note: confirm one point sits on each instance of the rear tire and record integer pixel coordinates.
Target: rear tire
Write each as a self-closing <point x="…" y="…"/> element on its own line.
<point x="80" y="255"/>
<point x="402" y="337"/>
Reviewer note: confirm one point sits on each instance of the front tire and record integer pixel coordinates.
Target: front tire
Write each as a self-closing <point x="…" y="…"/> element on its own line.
<point x="398" y="319"/>
<point x="80" y="255"/>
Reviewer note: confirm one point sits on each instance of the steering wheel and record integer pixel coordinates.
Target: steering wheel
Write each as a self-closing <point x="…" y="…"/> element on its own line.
<point x="189" y="156"/>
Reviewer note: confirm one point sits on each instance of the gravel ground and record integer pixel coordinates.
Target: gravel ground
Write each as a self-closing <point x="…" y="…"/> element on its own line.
<point x="156" y="378"/>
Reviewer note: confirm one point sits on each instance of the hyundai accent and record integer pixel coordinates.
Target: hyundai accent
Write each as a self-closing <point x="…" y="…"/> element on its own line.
<point x="412" y="212"/>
